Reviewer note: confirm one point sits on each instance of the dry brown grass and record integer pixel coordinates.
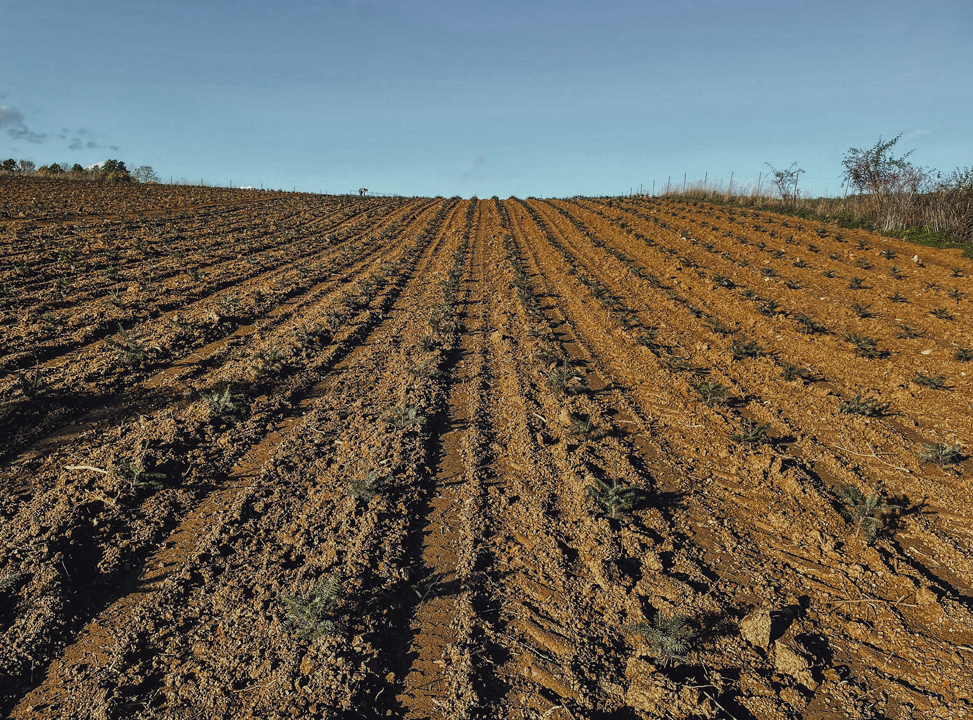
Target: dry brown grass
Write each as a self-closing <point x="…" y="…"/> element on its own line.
<point x="947" y="213"/>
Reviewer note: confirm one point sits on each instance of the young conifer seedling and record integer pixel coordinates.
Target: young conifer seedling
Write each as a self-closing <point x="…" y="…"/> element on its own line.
<point x="794" y="371"/>
<point x="940" y="453"/>
<point x="368" y="485"/>
<point x="713" y="393"/>
<point x="128" y="347"/>
<point x="743" y="348"/>
<point x="616" y="499"/>
<point x="404" y="417"/>
<point x="565" y="379"/>
<point x="863" y="311"/>
<point x="312" y="613"/>
<point x="865" y="347"/>
<point x="134" y="472"/>
<point x="30" y="384"/>
<point x="935" y="382"/>
<point x="752" y="433"/>
<point x="857" y="406"/>
<point x="807" y="324"/>
<point x="649" y="337"/>
<point x="224" y="405"/>
<point x="669" y="638"/>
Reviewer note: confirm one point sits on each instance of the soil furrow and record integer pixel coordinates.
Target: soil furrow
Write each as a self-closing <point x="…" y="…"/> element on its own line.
<point x="200" y="355"/>
<point x="258" y="449"/>
<point x="478" y="459"/>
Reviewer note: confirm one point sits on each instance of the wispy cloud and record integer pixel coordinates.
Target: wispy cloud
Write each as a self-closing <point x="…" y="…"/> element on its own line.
<point x="913" y="134"/>
<point x="476" y="166"/>
<point x="80" y="141"/>
<point x="12" y="119"/>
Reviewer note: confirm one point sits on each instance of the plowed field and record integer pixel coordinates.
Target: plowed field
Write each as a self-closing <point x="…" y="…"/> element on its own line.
<point x="555" y="459"/>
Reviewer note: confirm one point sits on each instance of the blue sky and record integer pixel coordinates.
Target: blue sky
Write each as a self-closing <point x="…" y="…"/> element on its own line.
<point x="522" y="98"/>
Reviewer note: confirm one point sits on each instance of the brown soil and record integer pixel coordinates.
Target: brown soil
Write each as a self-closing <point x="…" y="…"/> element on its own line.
<point x="434" y="400"/>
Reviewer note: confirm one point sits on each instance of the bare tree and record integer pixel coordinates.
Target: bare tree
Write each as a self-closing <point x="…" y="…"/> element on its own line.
<point x="878" y="172"/>
<point x="145" y="174"/>
<point x="786" y="182"/>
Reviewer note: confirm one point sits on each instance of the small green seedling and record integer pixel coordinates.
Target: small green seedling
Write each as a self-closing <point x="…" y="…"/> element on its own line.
<point x="742" y="348"/>
<point x="935" y="382"/>
<point x="865" y="512"/>
<point x="334" y="318"/>
<point x="713" y="393"/>
<point x="310" y="337"/>
<point x="940" y="453"/>
<point x="616" y="499"/>
<point x="677" y="362"/>
<point x="752" y="433"/>
<point x="565" y="379"/>
<point x="857" y="406"/>
<point x="808" y="325"/>
<point x="863" y="311"/>
<point x="134" y="472"/>
<point x="795" y="371"/>
<point x="268" y="361"/>
<point x="368" y="486"/>
<point x="865" y="347"/>
<point x="128" y="347"/>
<point x="584" y="428"/>
<point x="770" y="308"/>
<point x="426" y="368"/>
<point x="669" y="638"/>
<point x="183" y="325"/>
<point x="224" y="405"/>
<point x="403" y="417"/>
<point x="312" y="613"/>
<point x="30" y="384"/>
<point x="227" y="304"/>
<point x="649" y="337"/>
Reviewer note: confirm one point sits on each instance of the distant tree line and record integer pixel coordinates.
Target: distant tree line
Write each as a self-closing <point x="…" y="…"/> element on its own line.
<point x="108" y="171"/>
